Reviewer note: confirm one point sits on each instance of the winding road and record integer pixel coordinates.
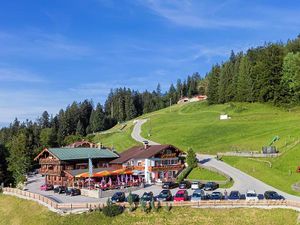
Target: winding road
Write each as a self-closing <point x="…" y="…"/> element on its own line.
<point x="242" y="181"/>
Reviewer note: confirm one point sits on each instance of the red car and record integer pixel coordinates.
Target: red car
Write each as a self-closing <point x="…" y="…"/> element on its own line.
<point x="46" y="187"/>
<point x="181" y="195"/>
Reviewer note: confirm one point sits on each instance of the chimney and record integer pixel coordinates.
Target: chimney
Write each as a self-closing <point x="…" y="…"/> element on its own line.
<point x="146" y="144"/>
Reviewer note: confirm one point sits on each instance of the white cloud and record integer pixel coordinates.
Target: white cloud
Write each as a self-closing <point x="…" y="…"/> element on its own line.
<point x="38" y="45"/>
<point x="19" y="75"/>
<point x="199" y="14"/>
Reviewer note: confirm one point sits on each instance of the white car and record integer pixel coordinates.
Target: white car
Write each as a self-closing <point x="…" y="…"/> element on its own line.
<point x="196" y="185"/>
<point x="251" y="195"/>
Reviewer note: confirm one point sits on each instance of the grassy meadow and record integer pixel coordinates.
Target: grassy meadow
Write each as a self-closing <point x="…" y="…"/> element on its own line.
<point x="203" y="174"/>
<point x="117" y="137"/>
<point x="197" y="125"/>
<point x="282" y="173"/>
<point x="14" y="211"/>
<point x="252" y="125"/>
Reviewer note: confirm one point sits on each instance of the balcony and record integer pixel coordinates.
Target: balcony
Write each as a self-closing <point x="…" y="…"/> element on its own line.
<point x="157" y="168"/>
<point x="166" y="167"/>
<point x="49" y="161"/>
<point x="50" y="172"/>
<point x="135" y="167"/>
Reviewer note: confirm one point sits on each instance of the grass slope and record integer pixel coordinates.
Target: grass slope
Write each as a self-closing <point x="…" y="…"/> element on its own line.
<point x="14" y="211"/>
<point x="197" y="125"/>
<point x="116" y="137"/>
<point x="252" y="125"/>
<point x="281" y="175"/>
<point x="203" y="174"/>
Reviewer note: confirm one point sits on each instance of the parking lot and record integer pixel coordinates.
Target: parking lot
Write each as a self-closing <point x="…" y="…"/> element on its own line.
<point x="35" y="181"/>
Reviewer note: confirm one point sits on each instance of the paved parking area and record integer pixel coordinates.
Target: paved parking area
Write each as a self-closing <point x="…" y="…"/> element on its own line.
<point x="34" y="183"/>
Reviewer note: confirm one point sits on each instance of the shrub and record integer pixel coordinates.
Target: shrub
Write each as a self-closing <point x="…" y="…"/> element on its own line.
<point x="152" y="205"/>
<point x="130" y="202"/>
<point x="191" y="158"/>
<point x="112" y="210"/>
<point x="158" y="206"/>
<point x="144" y="206"/>
<point x="168" y="207"/>
<point x="184" y="174"/>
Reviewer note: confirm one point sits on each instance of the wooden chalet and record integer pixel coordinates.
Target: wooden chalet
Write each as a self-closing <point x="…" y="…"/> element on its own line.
<point x="61" y="165"/>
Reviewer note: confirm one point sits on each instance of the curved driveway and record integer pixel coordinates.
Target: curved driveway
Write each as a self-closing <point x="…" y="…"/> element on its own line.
<point x="242" y="181"/>
<point x="136" y="133"/>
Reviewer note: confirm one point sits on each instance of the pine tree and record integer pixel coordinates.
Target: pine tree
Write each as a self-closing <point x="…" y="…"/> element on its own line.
<point x="18" y="160"/>
<point x="97" y="119"/>
<point x="244" y="83"/>
<point x="213" y="85"/>
<point x="80" y="129"/>
<point x="191" y="158"/>
<point x="290" y="83"/>
<point x="129" y="108"/>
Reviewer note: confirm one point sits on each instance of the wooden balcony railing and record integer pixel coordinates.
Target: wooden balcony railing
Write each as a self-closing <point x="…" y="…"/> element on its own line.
<point x="158" y="168"/>
<point x="49" y="161"/>
<point x="50" y="172"/>
<point x="166" y="167"/>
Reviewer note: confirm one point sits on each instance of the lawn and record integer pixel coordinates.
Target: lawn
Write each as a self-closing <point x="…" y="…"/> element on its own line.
<point x="197" y="125"/>
<point x="281" y="175"/>
<point x="204" y="174"/>
<point x="116" y="137"/>
<point x="14" y="211"/>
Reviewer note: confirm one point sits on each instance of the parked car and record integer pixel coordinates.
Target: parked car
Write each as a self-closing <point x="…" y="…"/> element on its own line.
<point x="73" y="191"/>
<point x="169" y="185"/>
<point x="216" y="195"/>
<point x="211" y="186"/>
<point x="273" y="195"/>
<point x="118" y="197"/>
<point x="147" y="196"/>
<point x="181" y="195"/>
<point x="135" y="198"/>
<point x="234" y="195"/>
<point x="196" y="185"/>
<point x="198" y="195"/>
<point x="60" y="189"/>
<point x="164" y="195"/>
<point x="251" y="195"/>
<point x="46" y="187"/>
<point x="185" y="184"/>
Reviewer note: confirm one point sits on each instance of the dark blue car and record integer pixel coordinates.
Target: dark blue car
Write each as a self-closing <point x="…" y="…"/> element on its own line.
<point x="216" y="195"/>
<point x="234" y="195"/>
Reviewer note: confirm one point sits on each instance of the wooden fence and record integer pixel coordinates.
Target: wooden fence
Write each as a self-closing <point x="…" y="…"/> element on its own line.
<point x="207" y="203"/>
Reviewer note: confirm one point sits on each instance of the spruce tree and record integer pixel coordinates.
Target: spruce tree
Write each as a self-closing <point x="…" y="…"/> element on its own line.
<point x="244" y="82"/>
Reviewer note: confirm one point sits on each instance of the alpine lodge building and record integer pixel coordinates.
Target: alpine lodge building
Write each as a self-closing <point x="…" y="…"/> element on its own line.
<point x="70" y="166"/>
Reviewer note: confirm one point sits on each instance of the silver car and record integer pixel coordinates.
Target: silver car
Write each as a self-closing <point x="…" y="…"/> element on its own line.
<point x="198" y="195"/>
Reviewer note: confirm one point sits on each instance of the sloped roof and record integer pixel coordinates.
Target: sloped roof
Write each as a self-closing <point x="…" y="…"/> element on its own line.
<point x="80" y="171"/>
<point x="140" y="152"/>
<point x="82" y="153"/>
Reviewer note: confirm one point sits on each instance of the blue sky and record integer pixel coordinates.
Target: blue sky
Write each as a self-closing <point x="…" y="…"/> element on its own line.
<point x="55" y="52"/>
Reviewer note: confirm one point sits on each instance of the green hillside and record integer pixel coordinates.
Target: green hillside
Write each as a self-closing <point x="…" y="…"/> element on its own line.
<point x="197" y="125"/>
<point x="252" y="125"/>
<point x="118" y="137"/>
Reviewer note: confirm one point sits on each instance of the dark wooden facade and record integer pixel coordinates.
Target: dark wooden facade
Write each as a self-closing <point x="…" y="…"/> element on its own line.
<point x="58" y="171"/>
